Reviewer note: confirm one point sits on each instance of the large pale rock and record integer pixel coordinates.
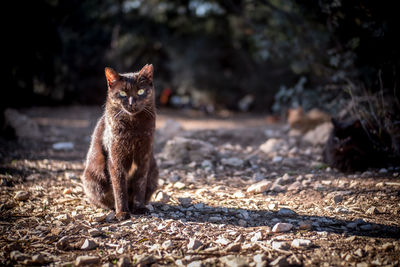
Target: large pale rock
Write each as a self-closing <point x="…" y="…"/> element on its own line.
<point x="319" y="135"/>
<point x="24" y="127"/>
<point x="185" y="150"/>
<point x="282" y="227"/>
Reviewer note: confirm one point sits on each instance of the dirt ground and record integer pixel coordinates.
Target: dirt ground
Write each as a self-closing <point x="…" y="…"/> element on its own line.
<point x="205" y="212"/>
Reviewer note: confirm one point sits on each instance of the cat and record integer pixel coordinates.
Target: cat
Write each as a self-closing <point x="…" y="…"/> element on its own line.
<point x="121" y="172"/>
<point x="351" y="148"/>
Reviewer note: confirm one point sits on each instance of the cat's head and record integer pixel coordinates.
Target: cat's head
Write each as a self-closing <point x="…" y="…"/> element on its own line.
<point x="130" y="92"/>
<point x="346" y="134"/>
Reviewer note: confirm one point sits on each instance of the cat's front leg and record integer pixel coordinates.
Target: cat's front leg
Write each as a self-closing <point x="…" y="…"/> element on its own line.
<point x="119" y="184"/>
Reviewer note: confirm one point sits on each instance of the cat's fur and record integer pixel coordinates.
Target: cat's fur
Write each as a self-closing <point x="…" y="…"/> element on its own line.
<point x="121" y="172"/>
<point x="350" y="148"/>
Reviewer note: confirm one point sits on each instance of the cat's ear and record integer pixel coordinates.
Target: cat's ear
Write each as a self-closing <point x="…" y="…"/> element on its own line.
<point x="147" y="72"/>
<point x="111" y="75"/>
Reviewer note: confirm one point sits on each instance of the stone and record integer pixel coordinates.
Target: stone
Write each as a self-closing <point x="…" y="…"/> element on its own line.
<point x="272" y="145"/>
<point x="260" y="260"/>
<point x="179" y="185"/>
<point x="257" y="236"/>
<point x="282" y="227"/>
<point x="259" y="187"/>
<point x="234" y="261"/>
<point x="286" y="212"/>
<point x="63" y="243"/>
<point x="94" y="232"/>
<point x="162" y="197"/>
<point x="124" y="262"/>
<point x="168" y="244"/>
<point x="319" y="135"/>
<point x="21" y="195"/>
<point x="185" y="150"/>
<point x="338" y="198"/>
<point x="301" y="243"/>
<point x="372" y="210"/>
<point x="278" y="245"/>
<point x="23" y="126"/>
<point x="63" y="146"/>
<point x="359" y="252"/>
<point x="305" y="225"/>
<point x="222" y="241"/>
<point x="295" y="186"/>
<point x="110" y="217"/>
<point x="234" y="247"/>
<point x="185" y="201"/>
<point x="86" y="260"/>
<point x="232" y="162"/>
<point x="38" y="259"/>
<point x="99" y="217"/>
<point x="194" y="244"/>
<point x="67" y="191"/>
<point x="88" y="244"/>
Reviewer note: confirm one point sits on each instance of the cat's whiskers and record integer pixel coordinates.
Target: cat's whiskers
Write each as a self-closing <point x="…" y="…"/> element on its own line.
<point x="149" y="112"/>
<point x="116" y="115"/>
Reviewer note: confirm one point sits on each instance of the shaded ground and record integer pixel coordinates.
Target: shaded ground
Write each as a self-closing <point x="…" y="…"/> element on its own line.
<point x="203" y="214"/>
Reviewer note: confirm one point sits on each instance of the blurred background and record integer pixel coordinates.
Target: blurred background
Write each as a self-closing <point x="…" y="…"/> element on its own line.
<point x="259" y="56"/>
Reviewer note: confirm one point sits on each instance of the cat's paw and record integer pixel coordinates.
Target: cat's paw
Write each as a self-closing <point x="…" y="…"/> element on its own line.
<point x="140" y="210"/>
<point x="122" y="216"/>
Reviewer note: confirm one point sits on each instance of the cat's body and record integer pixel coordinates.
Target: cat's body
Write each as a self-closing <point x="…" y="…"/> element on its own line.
<point x="121" y="172"/>
<point x="350" y="148"/>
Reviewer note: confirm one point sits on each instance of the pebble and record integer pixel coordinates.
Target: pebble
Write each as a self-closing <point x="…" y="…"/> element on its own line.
<point x="86" y="260"/>
<point x="110" y="217"/>
<point x="21" y="196"/>
<point x="257" y="236"/>
<point x="63" y="146"/>
<point x="179" y="185"/>
<point x="63" y="243"/>
<point x="278" y="245"/>
<point x="234" y="261"/>
<point x="94" y="232"/>
<point x="387" y="246"/>
<point x="38" y="259"/>
<point x="185" y="201"/>
<point x="167" y="244"/>
<point x="222" y="241"/>
<point x="126" y="223"/>
<point x="233" y="162"/>
<point x="295" y="186"/>
<point x="272" y="145"/>
<point x="162" y="197"/>
<point x="286" y="212"/>
<point x="259" y="187"/>
<point x="359" y="252"/>
<point x="301" y="243"/>
<point x="234" y="247"/>
<point x="305" y="225"/>
<point x="88" y="245"/>
<point x="366" y="227"/>
<point x="124" y="262"/>
<point x="242" y="223"/>
<point x="338" y="198"/>
<point x="277" y="159"/>
<point x="194" y="244"/>
<point x="372" y="210"/>
<point x="99" y="217"/>
<point x="282" y="227"/>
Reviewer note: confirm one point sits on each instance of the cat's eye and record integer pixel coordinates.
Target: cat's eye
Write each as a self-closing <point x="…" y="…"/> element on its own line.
<point x="140" y="92"/>
<point x="122" y="93"/>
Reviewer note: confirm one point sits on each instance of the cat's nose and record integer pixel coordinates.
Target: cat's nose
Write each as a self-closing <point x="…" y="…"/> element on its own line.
<point x="130" y="100"/>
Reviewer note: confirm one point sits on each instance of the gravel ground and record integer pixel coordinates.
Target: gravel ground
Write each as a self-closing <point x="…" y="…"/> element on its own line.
<point x="233" y="192"/>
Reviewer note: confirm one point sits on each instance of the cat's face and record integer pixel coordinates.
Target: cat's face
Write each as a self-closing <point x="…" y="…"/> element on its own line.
<point x="345" y="135"/>
<point x="131" y="92"/>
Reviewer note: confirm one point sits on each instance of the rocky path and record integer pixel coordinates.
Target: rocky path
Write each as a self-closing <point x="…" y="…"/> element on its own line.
<point x="232" y="193"/>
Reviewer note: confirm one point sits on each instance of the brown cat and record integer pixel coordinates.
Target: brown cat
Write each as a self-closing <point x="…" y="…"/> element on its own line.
<point x="121" y="172"/>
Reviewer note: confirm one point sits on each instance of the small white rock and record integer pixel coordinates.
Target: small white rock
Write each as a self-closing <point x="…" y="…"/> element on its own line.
<point x="286" y="212"/>
<point x="194" y="244"/>
<point x="259" y="187"/>
<point x="88" y="245"/>
<point x="21" y="195"/>
<point x="233" y="162"/>
<point x="301" y="243"/>
<point x="279" y="245"/>
<point x="282" y="227"/>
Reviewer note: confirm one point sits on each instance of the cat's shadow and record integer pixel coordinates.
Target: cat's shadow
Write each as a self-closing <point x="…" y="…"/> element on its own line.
<point x="255" y="218"/>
